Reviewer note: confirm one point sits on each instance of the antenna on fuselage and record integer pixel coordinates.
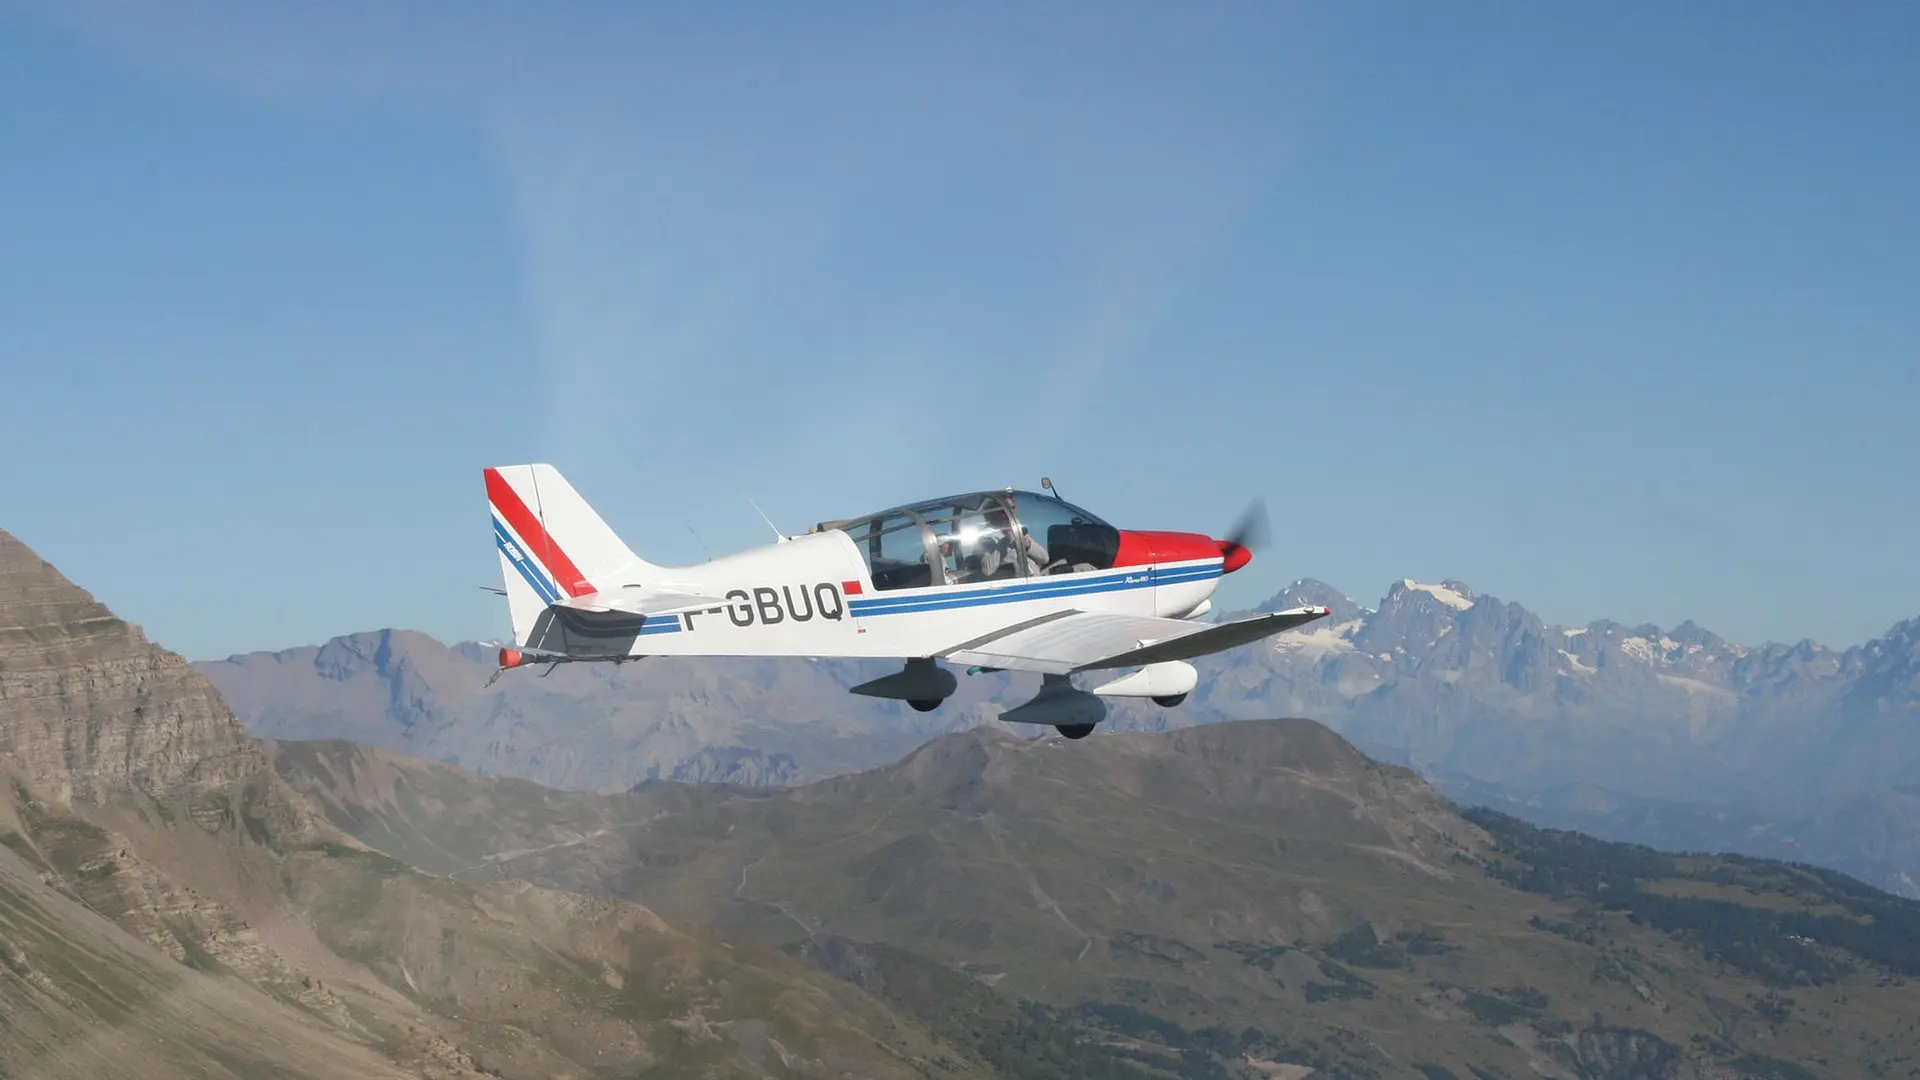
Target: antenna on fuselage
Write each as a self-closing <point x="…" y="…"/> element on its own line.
<point x="703" y="543"/>
<point x="778" y="536"/>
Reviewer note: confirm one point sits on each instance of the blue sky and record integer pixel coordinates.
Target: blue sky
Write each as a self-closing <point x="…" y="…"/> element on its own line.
<point x="1609" y="309"/>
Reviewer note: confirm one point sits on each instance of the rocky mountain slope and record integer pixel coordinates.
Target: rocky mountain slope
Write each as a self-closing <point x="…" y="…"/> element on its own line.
<point x="169" y="906"/>
<point x="1243" y="899"/>
<point x="83" y="997"/>
<point x="1796" y="751"/>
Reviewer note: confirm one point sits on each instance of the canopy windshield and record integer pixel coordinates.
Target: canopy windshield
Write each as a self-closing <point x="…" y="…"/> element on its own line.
<point x="980" y="536"/>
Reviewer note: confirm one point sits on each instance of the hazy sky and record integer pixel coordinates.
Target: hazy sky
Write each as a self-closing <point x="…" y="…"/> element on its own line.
<point x="1609" y="309"/>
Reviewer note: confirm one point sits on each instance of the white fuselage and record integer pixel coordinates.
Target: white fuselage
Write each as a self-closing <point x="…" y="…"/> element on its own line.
<point x="812" y="596"/>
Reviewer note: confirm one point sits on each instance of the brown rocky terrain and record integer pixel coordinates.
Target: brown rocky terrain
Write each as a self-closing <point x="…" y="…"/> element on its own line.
<point x="169" y="906"/>
<point x="1223" y="901"/>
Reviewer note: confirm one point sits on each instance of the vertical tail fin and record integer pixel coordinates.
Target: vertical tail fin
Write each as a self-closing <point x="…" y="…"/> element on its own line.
<point x="552" y="544"/>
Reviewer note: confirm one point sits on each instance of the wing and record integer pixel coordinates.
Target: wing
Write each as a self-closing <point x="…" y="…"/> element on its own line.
<point x="1069" y="641"/>
<point x="662" y="599"/>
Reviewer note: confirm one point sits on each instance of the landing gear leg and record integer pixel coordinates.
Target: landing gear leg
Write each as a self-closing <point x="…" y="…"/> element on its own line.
<point x="1074" y="731"/>
<point x="921" y="684"/>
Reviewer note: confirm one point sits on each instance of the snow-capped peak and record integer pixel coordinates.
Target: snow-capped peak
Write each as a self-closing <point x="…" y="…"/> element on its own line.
<point x="1448" y="596"/>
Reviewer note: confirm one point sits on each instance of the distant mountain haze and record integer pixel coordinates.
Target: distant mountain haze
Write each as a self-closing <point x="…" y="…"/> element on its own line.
<point x="1795" y="751"/>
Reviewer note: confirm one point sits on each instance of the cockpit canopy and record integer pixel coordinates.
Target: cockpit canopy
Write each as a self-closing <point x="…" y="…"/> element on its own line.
<point x="980" y="536"/>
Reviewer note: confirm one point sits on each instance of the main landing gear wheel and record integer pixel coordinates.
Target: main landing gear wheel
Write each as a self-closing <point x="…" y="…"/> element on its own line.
<point x="1074" y="731"/>
<point x="1170" y="700"/>
<point x="925" y="705"/>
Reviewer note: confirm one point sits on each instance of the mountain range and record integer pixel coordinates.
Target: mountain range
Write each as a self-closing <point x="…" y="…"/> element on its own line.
<point x="1240" y="900"/>
<point x="1672" y="737"/>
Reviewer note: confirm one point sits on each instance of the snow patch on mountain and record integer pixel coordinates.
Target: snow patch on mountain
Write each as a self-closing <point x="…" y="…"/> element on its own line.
<point x="1439" y="592"/>
<point x="1320" y="642"/>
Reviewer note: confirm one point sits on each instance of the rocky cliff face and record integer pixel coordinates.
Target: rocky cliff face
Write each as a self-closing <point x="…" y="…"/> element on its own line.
<point x="89" y="707"/>
<point x="138" y="794"/>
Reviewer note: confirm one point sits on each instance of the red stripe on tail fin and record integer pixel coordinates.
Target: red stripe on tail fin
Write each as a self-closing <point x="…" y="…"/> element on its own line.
<point x="542" y="547"/>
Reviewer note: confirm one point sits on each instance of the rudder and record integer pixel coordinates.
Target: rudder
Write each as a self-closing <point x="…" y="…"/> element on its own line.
<point x="552" y="544"/>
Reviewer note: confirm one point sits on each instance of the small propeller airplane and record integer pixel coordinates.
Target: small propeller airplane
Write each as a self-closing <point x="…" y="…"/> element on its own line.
<point x="1003" y="580"/>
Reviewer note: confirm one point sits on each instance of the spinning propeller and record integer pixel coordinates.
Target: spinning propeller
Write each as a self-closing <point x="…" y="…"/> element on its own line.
<point x="1248" y="533"/>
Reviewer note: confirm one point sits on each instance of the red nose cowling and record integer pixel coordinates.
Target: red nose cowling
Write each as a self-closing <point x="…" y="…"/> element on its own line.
<point x="1235" y="555"/>
<point x="1141" y="548"/>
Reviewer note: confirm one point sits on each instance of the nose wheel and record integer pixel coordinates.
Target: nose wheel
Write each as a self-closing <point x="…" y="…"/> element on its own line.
<point x="1074" y="731"/>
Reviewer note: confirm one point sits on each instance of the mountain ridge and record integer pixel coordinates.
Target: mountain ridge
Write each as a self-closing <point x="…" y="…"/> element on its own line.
<point x="1472" y="690"/>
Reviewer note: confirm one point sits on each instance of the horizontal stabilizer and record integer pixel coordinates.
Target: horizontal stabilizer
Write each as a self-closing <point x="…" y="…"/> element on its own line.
<point x="642" y="600"/>
<point x="1074" y="641"/>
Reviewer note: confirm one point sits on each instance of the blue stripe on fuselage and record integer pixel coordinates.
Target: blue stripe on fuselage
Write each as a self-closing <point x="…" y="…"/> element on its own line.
<point x="1043" y="589"/>
<point x="1180" y="574"/>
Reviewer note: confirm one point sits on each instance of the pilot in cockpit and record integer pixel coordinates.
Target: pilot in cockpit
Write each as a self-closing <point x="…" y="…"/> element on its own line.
<point x="996" y="546"/>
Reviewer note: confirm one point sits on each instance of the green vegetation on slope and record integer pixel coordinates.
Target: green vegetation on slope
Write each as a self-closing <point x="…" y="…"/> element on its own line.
<point x="1095" y="1040"/>
<point x="1817" y="920"/>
